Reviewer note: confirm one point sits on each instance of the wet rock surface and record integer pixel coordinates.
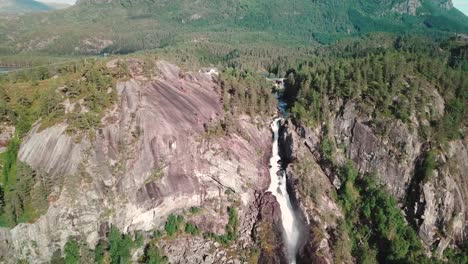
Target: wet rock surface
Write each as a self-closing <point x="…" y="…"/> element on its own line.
<point x="269" y="231"/>
<point x="312" y="193"/>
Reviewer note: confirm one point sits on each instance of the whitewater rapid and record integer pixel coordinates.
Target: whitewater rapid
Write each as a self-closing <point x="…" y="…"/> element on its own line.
<point x="279" y="190"/>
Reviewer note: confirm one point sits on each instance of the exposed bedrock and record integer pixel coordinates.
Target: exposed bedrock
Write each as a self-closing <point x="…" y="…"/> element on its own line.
<point x="151" y="157"/>
<point x="311" y="193"/>
<point x="438" y="203"/>
<point x="435" y="206"/>
<point x="268" y="231"/>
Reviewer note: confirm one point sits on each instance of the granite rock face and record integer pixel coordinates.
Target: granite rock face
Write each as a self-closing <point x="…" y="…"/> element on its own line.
<point x="268" y="231"/>
<point x="391" y="156"/>
<point x="443" y="198"/>
<point x="438" y="205"/>
<point x="407" y="7"/>
<point x="392" y="151"/>
<point x="150" y="158"/>
<point x="410" y="7"/>
<point x="312" y="193"/>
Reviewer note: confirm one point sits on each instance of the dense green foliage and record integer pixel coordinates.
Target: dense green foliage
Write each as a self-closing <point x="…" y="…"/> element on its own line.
<point x="119" y="246"/>
<point x="376" y="224"/>
<point x="245" y="91"/>
<point x="399" y="79"/>
<point x="27" y="96"/>
<point x="231" y="227"/>
<point x="153" y="255"/>
<point x="394" y="83"/>
<point x="458" y="256"/>
<point x="24" y="191"/>
<point x="429" y="165"/>
<point x="100" y="252"/>
<point x="110" y="28"/>
<point x="192" y="229"/>
<point x="173" y="224"/>
<point x="72" y="252"/>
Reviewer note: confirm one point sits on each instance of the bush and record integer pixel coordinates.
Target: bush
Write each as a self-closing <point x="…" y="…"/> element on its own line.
<point x="172" y="224"/>
<point x="120" y="246"/>
<point x="192" y="229"/>
<point x="429" y="165"/>
<point x="139" y="239"/>
<point x="153" y="255"/>
<point x="231" y="227"/>
<point x="99" y="252"/>
<point x="9" y="160"/>
<point x="157" y="234"/>
<point x="23" y="196"/>
<point x="194" y="210"/>
<point x="326" y="149"/>
<point x="72" y="252"/>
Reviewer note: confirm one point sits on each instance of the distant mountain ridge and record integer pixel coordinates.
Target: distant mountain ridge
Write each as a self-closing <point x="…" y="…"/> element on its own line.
<point x="23" y="6"/>
<point x="122" y="26"/>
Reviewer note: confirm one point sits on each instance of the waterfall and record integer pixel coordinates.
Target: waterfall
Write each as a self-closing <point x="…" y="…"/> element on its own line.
<point x="279" y="190"/>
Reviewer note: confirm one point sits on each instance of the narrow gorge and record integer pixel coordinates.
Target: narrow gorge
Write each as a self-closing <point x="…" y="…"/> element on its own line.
<point x="278" y="187"/>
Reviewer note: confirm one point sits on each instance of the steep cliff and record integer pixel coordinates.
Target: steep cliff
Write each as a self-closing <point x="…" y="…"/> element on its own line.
<point x="395" y="157"/>
<point x="152" y="156"/>
<point x="435" y="206"/>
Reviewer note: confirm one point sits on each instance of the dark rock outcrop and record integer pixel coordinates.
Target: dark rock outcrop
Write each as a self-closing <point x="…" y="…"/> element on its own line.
<point x="268" y="231"/>
<point x="311" y="192"/>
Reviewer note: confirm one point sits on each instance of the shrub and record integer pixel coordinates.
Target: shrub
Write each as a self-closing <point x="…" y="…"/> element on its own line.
<point x="99" y="252"/>
<point x="192" y="229"/>
<point x="172" y="224"/>
<point x="153" y="255"/>
<point x="139" y="239"/>
<point x="72" y="252"/>
<point x="429" y="165"/>
<point x="194" y="210"/>
<point x="231" y="227"/>
<point x="120" y="246"/>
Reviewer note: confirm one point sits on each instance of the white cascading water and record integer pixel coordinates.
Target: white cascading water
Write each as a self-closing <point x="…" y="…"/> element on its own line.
<point x="279" y="190"/>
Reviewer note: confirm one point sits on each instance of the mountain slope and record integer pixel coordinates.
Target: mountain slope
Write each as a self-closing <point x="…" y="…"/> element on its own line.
<point x="129" y="143"/>
<point x="22" y="6"/>
<point x="95" y="26"/>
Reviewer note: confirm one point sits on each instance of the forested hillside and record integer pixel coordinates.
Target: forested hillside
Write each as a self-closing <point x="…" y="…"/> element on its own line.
<point x="148" y="131"/>
<point x="96" y="27"/>
<point x="408" y="85"/>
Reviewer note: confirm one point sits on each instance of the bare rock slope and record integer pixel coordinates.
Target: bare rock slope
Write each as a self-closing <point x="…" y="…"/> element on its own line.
<point x="151" y="157"/>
